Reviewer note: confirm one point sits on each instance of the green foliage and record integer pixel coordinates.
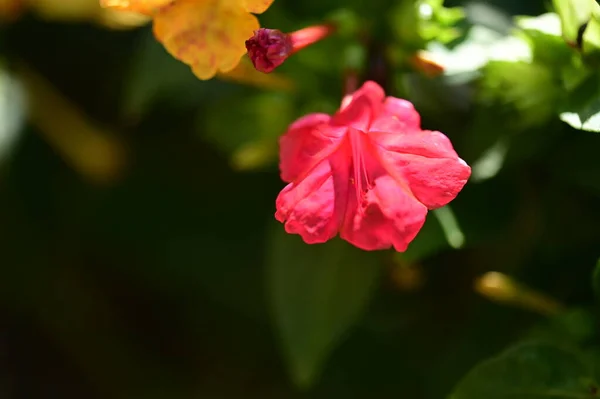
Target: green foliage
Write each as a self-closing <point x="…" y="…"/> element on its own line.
<point x="582" y="106"/>
<point x="318" y="293"/>
<point x="573" y="15"/>
<point x="530" y="371"/>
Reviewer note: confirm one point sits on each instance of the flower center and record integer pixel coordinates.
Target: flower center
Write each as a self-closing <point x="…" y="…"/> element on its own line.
<point x="359" y="164"/>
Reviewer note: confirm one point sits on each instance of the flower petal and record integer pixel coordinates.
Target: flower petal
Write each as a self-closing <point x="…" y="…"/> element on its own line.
<point x="397" y="115"/>
<point x="306" y="143"/>
<point x="359" y="109"/>
<point x="425" y="162"/>
<point x="208" y="35"/>
<point x="147" y="7"/>
<point x="256" y="6"/>
<point x="314" y="207"/>
<point x="391" y="217"/>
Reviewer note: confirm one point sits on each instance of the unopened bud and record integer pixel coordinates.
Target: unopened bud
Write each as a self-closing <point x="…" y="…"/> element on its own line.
<point x="269" y="48"/>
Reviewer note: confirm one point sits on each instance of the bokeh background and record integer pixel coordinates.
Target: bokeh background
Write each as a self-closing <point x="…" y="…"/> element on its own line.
<point x="138" y="250"/>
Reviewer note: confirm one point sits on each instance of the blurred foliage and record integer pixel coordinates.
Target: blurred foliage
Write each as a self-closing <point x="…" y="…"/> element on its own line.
<point x="140" y="255"/>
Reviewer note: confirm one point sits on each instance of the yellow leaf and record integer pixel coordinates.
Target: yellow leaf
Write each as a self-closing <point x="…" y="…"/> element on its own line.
<point x="147" y="7"/>
<point x="208" y="35"/>
<point x="256" y="6"/>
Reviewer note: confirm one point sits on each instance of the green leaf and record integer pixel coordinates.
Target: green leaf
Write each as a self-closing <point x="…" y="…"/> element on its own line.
<point x="573" y="15"/>
<point x="438" y="22"/>
<point x="591" y="40"/>
<point x="529" y="90"/>
<point x="530" y="371"/>
<point x="572" y="327"/>
<point x="544" y="36"/>
<point x="480" y="46"/>
<point x="430" y="240"/>
<point x="247" y="127"/>
<point x="317" y="293"/>
<point x="582" y="107"/>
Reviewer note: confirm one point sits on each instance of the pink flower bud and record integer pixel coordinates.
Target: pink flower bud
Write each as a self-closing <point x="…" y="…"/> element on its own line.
<point x="269" y="48"/>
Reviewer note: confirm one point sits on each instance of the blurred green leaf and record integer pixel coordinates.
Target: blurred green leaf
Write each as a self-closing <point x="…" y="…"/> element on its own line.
<point x="419" y="22"/>
<point x="582" y="106"/>
<point x="247" y="128"/>
<point x="573" y="15"/>
<point x="12" y="111"/>
<point x="544" y="36"/>
<point x="155" y="75"/>
<point x="530" y="89"/>
<point x="480" y="46"/>
<point x="530" y="371"/>
<point x="404" y="20"/>
<point x="548" y="24"/>
<point x="591" y="39"/>
<point x="348" y="23"/>
<point x="571" y="327"/>
<point x="491" y="161"/>
<point x="438" y="22"/>
<point x="429" y="241"/>
<point x="317" y="293"/>
<point x="452" y="231"/>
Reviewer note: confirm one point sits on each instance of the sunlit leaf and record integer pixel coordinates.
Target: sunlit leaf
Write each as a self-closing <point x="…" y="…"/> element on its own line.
<point x="480" y="46"/>
<point x="317" y="293"/>
<point x="544" y="36"/>
<point x="548" y="24"/>
<point x="582" y="108"/>
<point x="573" y="15"/>
<point x="530" y="371"/>
<point x="591" y="38"/>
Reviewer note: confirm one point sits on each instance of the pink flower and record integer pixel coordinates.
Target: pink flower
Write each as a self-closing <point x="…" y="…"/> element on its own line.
<point x="368" y="173"/>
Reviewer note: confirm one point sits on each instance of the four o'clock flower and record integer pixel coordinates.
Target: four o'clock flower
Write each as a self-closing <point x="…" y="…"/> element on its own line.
<point x="269" y="48"/>
<point x="368" y="173"/>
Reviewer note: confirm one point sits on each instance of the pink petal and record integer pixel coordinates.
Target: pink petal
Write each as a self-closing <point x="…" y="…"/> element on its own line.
<point x="426" y="163"/>
<point x="306" y="143"/>
<point x="391" y="218"/>
<point x="370" y="90"/>
<point x="397" y="115"/>
<point x="314" y="206"/>
<point x="360" y="109"/>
